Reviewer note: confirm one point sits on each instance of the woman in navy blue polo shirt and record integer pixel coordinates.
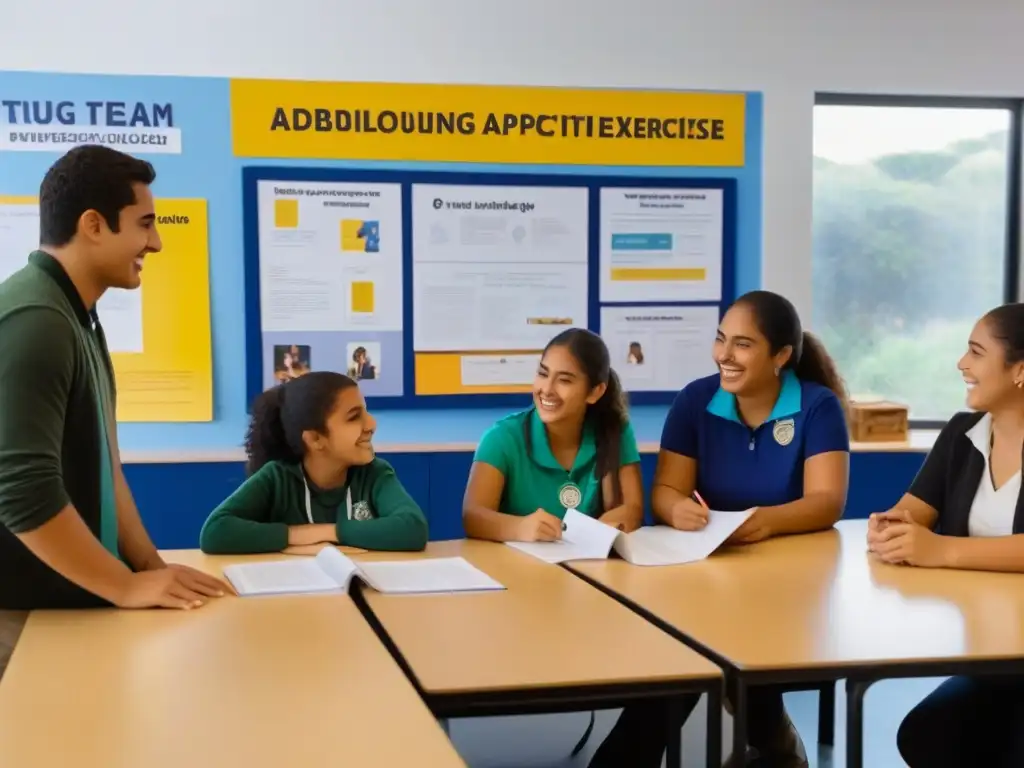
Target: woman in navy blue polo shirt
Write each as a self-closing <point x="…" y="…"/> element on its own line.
<point x="965" y="510"/>
<point x="769" y="433"/>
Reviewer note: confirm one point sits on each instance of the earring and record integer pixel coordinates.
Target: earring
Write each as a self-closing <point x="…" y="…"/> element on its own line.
<point x="776" y="371"/>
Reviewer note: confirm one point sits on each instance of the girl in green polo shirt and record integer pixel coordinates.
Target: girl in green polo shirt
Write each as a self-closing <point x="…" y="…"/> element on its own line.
<point x="314" y="478"/>
<point x="574" y="449"/>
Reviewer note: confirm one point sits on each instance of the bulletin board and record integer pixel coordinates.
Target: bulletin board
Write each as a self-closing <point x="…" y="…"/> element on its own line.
<point x="439" y="289"/>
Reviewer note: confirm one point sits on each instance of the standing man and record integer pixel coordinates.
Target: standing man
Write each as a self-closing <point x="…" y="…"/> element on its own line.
<point x="70" y="533"/>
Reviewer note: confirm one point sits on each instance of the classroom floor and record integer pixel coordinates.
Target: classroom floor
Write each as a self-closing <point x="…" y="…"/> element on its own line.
<point x="546" y="741"/>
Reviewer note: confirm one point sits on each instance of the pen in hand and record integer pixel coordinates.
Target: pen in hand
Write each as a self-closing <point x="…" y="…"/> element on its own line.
<point x="693" y="519"/>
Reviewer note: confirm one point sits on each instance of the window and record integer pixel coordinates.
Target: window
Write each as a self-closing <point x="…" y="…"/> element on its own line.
<point x="912" y="239"/>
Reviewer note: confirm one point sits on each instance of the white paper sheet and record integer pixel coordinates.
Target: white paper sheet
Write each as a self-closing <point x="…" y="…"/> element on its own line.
<point x="430" y="575"/>
<point x="663" y="545"/>
<point x="332" y="235"/>
<point x="655" y="348"/>
<point x="287" y="577"/>
<point x="497" y="268"/>
<point x="584" y="538"/>
<point x="661" y="244"/>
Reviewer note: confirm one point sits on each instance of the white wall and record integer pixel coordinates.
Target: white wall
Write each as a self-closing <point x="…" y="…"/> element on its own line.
<point x="786" y="48"/>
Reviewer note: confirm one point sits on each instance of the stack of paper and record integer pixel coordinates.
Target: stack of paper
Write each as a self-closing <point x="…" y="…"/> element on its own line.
<point x="585" y="538"/>
<point x="331" y="571"/>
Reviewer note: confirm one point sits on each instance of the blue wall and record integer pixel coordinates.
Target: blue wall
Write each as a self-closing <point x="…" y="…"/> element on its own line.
<point x="436" y="481"/>
<point x="208" y="169"/>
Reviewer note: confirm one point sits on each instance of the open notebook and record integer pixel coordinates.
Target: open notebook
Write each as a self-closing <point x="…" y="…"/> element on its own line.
<point x="585" y="538"/>
<point x="331" y="571"/>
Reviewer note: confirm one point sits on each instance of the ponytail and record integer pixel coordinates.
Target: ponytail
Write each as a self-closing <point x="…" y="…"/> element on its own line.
<point x="265" y="440"/>
<point x="815" y="364"/>
<point x="282" y="415"/>
<point x="609" y="417"/>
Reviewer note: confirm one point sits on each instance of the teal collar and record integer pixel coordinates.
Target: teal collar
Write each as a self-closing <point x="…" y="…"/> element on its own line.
<point x="540" y="448"/>
<point x="723" y="404"/>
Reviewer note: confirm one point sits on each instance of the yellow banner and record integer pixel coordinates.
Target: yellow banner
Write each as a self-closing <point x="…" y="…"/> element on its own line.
<point x="486" y="124"/>
<point x="172" y="378"/>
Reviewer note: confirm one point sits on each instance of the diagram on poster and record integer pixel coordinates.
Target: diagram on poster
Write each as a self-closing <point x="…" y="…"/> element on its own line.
<point x="660" y="349"/>
<point x="497" y="272"/>
<point x="661" y="244"/>
<point x="330" y="271"/>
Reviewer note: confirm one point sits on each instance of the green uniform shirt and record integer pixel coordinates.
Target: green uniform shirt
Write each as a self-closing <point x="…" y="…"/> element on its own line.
<point x="57" y="402"/>
<point x="537" y="480"/>
<point x="255" y="518"/>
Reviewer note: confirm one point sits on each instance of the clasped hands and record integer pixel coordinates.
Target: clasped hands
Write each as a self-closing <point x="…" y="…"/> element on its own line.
<point x="895" y="538"/>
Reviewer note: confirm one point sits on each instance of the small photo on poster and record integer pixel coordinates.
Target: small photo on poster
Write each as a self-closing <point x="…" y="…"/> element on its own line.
<point x="291" y="361"/>
<point x="364" y="360"/>
<point x="635" y="354"/>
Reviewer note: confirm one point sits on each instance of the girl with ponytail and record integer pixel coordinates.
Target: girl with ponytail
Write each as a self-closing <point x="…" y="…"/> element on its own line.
<point x="314" y="479"/>
<point x="768" y="433"/>
<point x="574" y="449"/>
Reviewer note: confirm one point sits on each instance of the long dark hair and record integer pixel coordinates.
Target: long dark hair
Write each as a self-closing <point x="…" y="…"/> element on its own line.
<point x="1006" y="323"/>
<point x="610" y="414"/>
<point x="778" y="321"/>
<point x="280" y="416"/>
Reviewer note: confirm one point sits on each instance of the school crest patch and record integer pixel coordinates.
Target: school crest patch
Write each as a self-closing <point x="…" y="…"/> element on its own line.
<point x="784" y="431"/>
<point x="361" y="510"/>
<point x="570" y="496"/>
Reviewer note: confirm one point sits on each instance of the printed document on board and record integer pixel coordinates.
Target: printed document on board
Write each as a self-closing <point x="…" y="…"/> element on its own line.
<point x="661" y="244"/>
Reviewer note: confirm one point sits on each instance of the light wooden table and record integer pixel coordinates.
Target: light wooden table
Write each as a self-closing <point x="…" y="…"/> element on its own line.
<point x="548" y="643"/>
<point x="820" y="607"/>
<point x="239" y="682"/>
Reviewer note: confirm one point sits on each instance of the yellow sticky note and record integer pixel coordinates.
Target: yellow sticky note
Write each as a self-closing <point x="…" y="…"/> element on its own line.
<point x="362" y="296"/>
<point x="286" y="214"/>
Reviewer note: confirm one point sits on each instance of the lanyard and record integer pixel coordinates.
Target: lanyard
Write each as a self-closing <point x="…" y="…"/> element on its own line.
<point x="309" y="501"/>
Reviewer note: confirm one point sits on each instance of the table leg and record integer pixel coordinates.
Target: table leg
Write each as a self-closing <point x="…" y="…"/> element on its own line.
<point x="674" y="750"/>
<point x="739" y="718"/>
<point x="827" y="714"/>
<point x="855" y="690"/>
<point x="714" y="738"/>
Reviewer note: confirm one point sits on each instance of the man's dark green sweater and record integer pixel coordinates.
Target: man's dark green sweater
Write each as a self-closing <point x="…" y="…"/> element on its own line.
<point x="56" y="417"/>
<point x="255" y="518"/>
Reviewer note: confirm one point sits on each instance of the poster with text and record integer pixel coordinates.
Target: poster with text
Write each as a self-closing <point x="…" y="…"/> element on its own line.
<point x="497" y="272"/>
<point x="661" y="244"/>
<point x="331" y="281"/>
<point x="162" y="353"/>
<point x="660" y="349"/>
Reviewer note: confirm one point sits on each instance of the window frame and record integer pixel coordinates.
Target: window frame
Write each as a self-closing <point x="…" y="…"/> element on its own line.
<point x="1012" y="252"/>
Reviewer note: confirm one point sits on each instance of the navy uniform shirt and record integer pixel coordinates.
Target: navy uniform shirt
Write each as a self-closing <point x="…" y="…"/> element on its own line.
<point x="739" y="467"/>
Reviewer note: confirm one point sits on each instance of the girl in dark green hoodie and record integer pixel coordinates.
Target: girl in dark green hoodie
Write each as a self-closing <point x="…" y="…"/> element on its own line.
<point x="314" y="478"/>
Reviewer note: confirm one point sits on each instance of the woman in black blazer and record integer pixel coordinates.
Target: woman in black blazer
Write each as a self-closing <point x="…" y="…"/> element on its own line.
<point x="965" y="510"/>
